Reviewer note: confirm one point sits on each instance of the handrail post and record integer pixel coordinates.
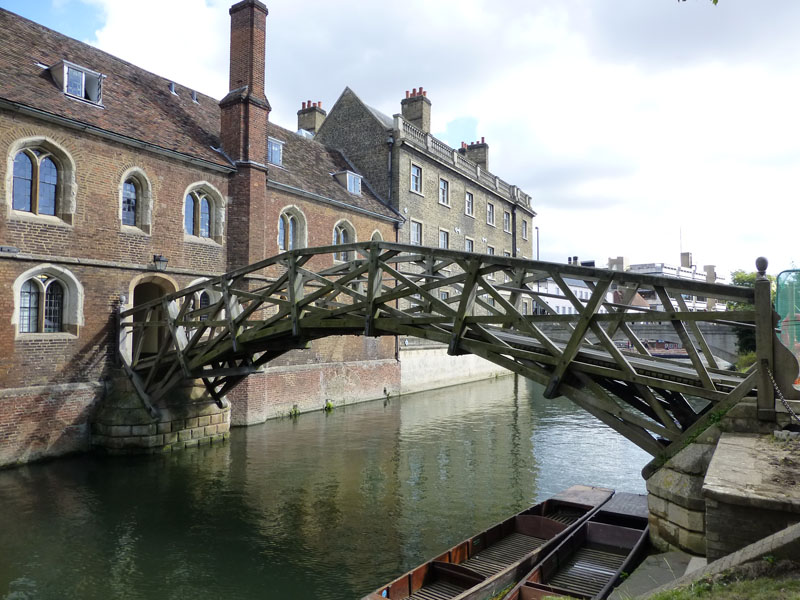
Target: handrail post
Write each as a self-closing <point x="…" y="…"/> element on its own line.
<point x="764" y="342"/>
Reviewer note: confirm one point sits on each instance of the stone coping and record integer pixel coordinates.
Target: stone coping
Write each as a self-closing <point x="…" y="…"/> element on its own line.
<point x="754" y="470"/>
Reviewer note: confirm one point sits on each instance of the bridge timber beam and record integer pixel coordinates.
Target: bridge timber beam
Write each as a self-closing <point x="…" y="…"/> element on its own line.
<point x="487" y="305"/>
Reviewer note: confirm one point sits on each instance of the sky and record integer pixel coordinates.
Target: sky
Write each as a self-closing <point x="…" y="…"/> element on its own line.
<point x="640" y="129"/>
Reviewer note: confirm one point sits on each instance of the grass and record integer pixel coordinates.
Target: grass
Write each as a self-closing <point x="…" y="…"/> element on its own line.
<point x="761" y="580"/>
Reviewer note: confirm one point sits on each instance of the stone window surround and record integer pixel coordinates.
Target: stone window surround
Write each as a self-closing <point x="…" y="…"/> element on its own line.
<point x="302" y="226"/>
<point x="217" y="213"/>
<point x="490" y="214"/>
<point x="467" y="195"/>
<point x="348" y="227"/>
<point x="446" y="238"/>
<point x="506" y="221"/>
<point x="72" y="308"/>
<point x="524" y="227"/>
<point x="376" y="236"/>
<point x="468" y="239"/>
<point x="421" y="190"/>
<point x="411" y="232"/>
<point x="444" y="190"/>
<point x="144" y="201"/>
<point x="66" y="188"/>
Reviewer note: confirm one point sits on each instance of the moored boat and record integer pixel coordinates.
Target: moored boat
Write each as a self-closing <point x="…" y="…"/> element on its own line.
<point x="589" y="562"/>
<point x="487" y="563"/>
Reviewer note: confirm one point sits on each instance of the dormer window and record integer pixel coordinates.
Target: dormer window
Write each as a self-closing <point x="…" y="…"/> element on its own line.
<point x="349" y="180"/>
<point x="354" y="183"/>
<point x="275" y="152"/>
<point x="78" y="82"/>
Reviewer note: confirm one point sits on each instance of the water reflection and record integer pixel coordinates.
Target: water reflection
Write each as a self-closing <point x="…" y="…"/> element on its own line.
<point x="326" y="506"/>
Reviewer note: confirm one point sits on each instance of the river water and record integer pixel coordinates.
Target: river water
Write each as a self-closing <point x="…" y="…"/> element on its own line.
<point x="326" y="506"/>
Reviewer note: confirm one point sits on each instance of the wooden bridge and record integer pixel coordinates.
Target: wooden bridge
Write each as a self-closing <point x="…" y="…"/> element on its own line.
<point x="486" y="305"/>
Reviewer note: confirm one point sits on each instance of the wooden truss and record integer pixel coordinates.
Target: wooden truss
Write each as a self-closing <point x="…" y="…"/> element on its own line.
<point x="472" y="303"/>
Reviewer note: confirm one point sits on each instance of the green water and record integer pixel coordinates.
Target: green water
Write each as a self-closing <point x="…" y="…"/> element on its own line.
<point x="324" y="506"/>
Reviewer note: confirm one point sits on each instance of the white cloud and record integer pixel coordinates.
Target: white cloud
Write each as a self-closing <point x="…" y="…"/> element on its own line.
<point x="633" y="124"/>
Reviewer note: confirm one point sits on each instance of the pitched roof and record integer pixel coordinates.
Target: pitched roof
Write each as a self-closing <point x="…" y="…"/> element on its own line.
<point x="309" y="166"/>
<point x="135" y="103"/>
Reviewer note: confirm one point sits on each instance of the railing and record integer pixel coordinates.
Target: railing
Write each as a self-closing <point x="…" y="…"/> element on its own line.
<point x="448" y="155"/>
<point x="490" y="306"/>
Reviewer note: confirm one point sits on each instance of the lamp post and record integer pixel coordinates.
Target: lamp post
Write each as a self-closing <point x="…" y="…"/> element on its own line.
<point x="537" y="242"/>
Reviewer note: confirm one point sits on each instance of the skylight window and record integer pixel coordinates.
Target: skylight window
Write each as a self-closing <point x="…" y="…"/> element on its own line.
<point x="78" y="82"/>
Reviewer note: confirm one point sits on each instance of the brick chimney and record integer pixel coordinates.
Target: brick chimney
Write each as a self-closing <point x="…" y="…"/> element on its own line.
<point x="311" y="116"/>
<point x="245" y="110"/>
<point x="243" y="133"/>
<point x="477" y="152"/>
<point x="417" y="109"/>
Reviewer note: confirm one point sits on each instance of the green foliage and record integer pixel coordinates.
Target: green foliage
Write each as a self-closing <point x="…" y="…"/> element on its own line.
<point x="328" y="406"/>
<point x="746" y="336"/>
<point x="294" y="411"/>
<point x="745" y="361"/>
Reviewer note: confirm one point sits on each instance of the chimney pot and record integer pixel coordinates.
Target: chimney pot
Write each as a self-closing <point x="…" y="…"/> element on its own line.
<point x="414" y="92"/>
<point x="482" y="140"/>
<point x="408" y="93"/>
<point x="304" y="105"/>
<point x="425" y="93"/>
<point x="319" y="103"/>
<point x="309" y="103"/>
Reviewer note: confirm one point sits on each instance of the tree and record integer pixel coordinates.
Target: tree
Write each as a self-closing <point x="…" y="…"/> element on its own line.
<point x="746" y="336"/>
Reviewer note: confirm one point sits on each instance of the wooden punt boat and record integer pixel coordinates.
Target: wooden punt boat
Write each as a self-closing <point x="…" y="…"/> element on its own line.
<point x="487" y="563"/>
<point x="589" y="562"/>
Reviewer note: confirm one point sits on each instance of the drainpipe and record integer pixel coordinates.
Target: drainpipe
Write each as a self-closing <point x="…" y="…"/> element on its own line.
<point x="514" y="230"/>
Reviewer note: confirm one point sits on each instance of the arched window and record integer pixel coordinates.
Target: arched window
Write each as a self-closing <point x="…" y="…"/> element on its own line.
<point x="188" y="218"/>
<point x="36" y="317"/>
<point x="29" y="307"/>
<point x="205" y="217"/>
<point x="35" y="182"/>
<point x="343" y="233"/>
<point x="376" y="236"/>
<point x="287" y="232"/>
<point x="203" y="214"/>
<point x="205" y="302"/>
<point x="291" y="229"/>
<point x="129" y="198"/>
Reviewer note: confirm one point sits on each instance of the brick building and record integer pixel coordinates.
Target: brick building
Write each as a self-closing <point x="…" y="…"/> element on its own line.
<point x="108" y="166"/>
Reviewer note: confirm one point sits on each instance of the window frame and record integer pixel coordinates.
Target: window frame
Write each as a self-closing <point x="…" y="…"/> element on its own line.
<point x="418" y="189"/>
<point x="69" y="313"/>
<point x="274" y="143"/>
<point x="343" y="228"/>
<point x="524" y="229"/>
<point x="469" y="204"/>
<point x="444" y="234"/>
<point x="444" y="192"/>
<point x="353" y="182"/>
<point x="507" y="221"/>
<point x="36" y="157"/>
<point x="143" y="214"/>
<point x="469" y="242"/>
<point x="91" y="82"/>
<point x="216" y="213"/>
<point x="411" y="233"/>
<point x="490" y="214"/>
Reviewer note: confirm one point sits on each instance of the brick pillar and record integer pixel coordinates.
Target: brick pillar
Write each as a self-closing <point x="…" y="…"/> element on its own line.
<point x="243" y="131"/>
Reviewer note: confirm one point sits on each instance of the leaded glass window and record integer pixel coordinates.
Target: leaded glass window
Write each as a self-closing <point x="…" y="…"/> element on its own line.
<point x="29" y="307"/>
<point x="23" y="182"/>
<point x="53" y="307"/>
<point x="129" y="200"/>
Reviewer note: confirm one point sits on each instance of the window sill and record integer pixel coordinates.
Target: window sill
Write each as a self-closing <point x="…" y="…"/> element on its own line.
<point x="133" y="230"/>
<point x="415" y="192"/>
<point x="471" y="216"/>
<point x="21" y="215"/>
<point x="443" y="204"/>
<point x="35" y="337"/>
<point x="196" y="239"/>
<point x="508" y="231"/>
<point x="491" y="224"/>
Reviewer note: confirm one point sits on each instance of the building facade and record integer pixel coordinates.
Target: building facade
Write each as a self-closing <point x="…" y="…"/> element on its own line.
<point x="118" y="186"/>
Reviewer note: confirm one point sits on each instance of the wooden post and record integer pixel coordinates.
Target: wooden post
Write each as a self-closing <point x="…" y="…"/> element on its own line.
<point x="765" y="335"/>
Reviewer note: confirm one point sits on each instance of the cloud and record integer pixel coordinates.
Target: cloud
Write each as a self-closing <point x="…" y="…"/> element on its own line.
<point x="640" y="128"/>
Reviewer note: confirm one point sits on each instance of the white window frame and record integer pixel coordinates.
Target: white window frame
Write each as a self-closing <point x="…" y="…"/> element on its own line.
<point x="446" y="238"/>
<point x="506" y="221"/>
<point x="444" y="190"/>
<point x="91" y="90"/>
<point x="470" y="242"/>
<point x="469" y="204"/>
<point x="418" y="189"/>
<point x="411" y="233"/>
<point x="524" y="229"/>
<point x="271" y="144"/>
<point x="490" y="214"/>
<point x="354" y="183"/>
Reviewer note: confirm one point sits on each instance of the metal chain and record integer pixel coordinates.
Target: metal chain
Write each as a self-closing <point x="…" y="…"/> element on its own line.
<point x="780" y="396"/>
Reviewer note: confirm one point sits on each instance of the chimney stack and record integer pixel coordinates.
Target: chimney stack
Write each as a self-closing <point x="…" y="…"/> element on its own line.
<point x="477" y="152"/>
<point x="686" y="260"/>
<point x="245" y="110"/>
<point x="311" y="116"/>
<point x="416" y="109"/>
